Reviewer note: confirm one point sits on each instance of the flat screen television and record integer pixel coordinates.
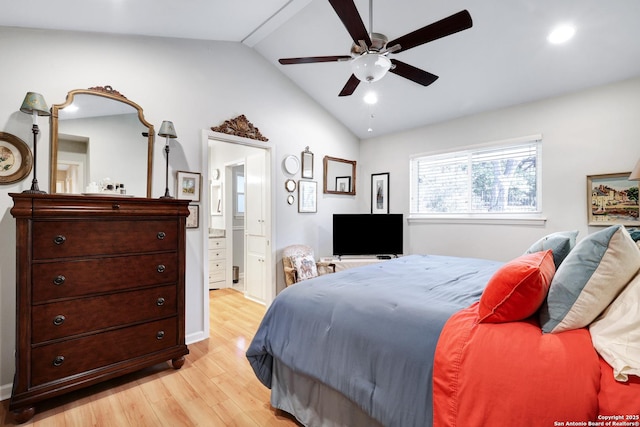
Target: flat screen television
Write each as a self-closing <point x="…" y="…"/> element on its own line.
<point x="367" y="234"/>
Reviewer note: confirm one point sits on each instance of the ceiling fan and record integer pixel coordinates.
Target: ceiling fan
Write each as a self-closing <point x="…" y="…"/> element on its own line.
<point x="370" y="51"/>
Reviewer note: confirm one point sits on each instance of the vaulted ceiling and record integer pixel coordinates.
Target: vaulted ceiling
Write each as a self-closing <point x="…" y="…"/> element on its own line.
<point x="503" y="60"/>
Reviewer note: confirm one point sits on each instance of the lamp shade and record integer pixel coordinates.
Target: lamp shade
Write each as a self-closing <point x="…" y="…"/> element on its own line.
<point x="370" y="67"/>
<point x="635" y="173"/>
<point x="34" y="103"/>
<point x="167" y="130"/>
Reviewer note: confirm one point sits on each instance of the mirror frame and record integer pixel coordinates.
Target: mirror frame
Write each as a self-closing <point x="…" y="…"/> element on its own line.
<point x="325" y="162"/>
<point x="307" y="164"/>
<point x="105" y="92"/>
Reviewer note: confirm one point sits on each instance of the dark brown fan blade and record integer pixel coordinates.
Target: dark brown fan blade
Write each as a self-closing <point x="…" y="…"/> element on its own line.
<point x="445" y="27"/>
<point x="348" y="14"/>
<point x="350" y="87"/>
<point x="312" y="59"/>
<point x="412" y="73"/>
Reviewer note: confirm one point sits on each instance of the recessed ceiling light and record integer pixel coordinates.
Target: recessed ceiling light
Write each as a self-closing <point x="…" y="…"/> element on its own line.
<point x="370" y="98"/>
<point x="561" y="34"/>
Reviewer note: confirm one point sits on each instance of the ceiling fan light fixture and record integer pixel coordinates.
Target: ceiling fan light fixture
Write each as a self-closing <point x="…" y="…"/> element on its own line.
<point x="370" y="67"/>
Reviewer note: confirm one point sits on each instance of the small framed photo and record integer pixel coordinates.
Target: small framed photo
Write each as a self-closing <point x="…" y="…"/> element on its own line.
<point x="307" y="196"/>
<point x="16" y="160"/>
<point x="380" y="193"/>
<point x="188" y="186"/>
<point x="193" y="220"/>
<point x="612" y="199"/>
<point x="343" y="184"/>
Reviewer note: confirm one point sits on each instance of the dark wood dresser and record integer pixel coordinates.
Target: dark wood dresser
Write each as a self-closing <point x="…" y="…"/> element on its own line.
<point x="100" y="291"/>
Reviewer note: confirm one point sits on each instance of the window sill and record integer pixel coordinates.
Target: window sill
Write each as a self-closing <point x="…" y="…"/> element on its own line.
<point x="484" y="219"/>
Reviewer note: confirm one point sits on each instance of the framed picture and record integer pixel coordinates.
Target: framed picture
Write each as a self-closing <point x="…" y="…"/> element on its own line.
<point x="612" y="199"/>
<point x="307" y="196"/>
<point x="16" y="160"/>
<point x="380" y="193"/>
<point x="193" y="220"/>
<point x="343" y="184"/>
<point x="188" y="186"/>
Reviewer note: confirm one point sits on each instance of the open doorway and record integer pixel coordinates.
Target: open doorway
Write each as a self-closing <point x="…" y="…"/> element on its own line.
<point x="240" y="215"/>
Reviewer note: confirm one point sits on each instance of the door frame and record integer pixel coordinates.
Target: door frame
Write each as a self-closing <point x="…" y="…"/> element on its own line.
<point x="270" y="271"/>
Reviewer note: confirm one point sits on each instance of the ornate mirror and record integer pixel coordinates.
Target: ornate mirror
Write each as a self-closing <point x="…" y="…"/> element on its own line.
<point x="339" y="176"/>
<point x="307" y="163"/>
<point x="99" y="137"/>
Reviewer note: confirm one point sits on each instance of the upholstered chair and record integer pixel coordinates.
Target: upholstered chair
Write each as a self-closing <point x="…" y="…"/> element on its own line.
<point x="300" y="264"/>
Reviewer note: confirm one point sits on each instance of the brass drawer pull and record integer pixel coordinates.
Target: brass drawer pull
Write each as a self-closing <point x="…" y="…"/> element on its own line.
<point x="160" y="302"/>
<point x="160" y="335"/>
<point x="115" y="206"/>
<point x="58" y="361"/>
<point x="59" y="239"/>
<point x="161" y="268"/>
<point x="59" y="280"/>
<point x="59" y="320"/>
<point x="161" y="235"/>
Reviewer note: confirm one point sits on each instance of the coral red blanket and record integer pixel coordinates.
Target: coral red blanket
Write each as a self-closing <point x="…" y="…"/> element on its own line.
<point x="509" y="374"/>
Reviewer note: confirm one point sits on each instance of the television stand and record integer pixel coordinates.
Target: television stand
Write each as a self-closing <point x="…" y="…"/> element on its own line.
<point x="345" y="262"/>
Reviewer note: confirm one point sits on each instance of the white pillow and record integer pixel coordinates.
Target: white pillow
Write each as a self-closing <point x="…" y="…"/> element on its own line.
<point x="616" y="333"/>
<point x="305" y="267"/>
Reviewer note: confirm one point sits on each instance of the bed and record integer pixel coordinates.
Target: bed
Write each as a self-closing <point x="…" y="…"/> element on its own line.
<point x="427" y="340"/>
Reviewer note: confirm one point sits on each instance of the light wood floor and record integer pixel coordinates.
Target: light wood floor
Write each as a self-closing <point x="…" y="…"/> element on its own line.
<point x="215" y="387"/>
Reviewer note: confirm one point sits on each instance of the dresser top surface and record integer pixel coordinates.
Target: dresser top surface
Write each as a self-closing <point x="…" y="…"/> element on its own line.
<point x="36" y="205"/>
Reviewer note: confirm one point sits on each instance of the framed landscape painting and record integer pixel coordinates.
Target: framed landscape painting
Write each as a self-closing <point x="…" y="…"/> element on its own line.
<point x="612" y="199"/>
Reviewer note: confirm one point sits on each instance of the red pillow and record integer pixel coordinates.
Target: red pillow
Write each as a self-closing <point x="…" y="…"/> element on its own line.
<point x="518" y="289"/>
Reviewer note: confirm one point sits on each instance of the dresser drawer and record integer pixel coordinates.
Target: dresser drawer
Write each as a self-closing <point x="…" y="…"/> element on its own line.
<point x="66" y="279"/>
<point x="67" y="318"/>
<point x="217" y="243"/>
<point x="62" y="239"/>
<point x="76" y="356"/>
<point x="216" y="254"/>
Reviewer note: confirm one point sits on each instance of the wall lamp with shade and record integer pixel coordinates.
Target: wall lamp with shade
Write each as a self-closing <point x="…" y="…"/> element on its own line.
<point x="35" y="105"/>
<point x="635" y="173"/>
<point x="168" y="131"/>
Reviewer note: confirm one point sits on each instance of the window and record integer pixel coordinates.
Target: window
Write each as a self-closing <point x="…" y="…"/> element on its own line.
<point x="500" y="180"/>
<point x="238" y="188"/>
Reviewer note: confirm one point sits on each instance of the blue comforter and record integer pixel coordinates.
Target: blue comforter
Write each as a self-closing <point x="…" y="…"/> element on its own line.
<point x="371" y="332"/>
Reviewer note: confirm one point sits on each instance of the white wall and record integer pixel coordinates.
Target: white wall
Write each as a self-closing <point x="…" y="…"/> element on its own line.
<point x="195" y="84"/>
<point x="592" y="132"/>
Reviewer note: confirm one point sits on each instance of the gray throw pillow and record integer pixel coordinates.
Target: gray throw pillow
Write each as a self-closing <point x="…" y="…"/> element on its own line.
<point x="589" y="279"/>
<point x="560" y="244"/>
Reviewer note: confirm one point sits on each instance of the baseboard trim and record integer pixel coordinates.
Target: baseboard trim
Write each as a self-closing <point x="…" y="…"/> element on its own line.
<point x="195" y="337"/>
<point x="5" y="391"/>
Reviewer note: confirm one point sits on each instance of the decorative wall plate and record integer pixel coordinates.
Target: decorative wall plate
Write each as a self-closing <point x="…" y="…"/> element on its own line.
<point x="291" y="164"/>
<point x="16" y="160"/>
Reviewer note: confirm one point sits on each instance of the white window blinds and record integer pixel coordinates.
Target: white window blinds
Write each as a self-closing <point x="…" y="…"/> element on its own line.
<point x="497" y="179"/>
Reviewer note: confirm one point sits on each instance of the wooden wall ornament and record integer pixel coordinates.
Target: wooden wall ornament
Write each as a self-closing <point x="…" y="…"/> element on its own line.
<point x="240" y="126"/>
<point x="107" y="89"/>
